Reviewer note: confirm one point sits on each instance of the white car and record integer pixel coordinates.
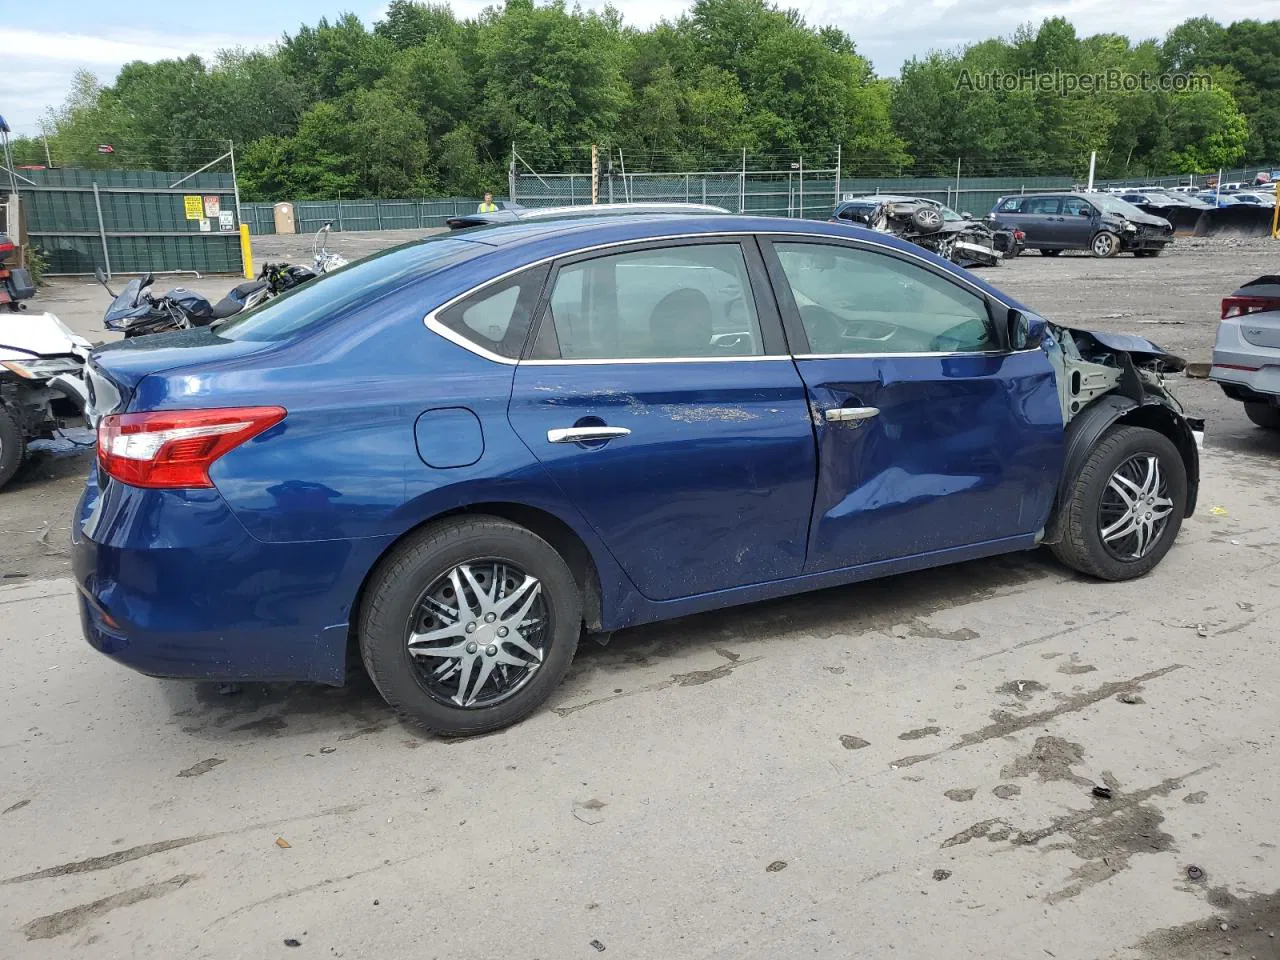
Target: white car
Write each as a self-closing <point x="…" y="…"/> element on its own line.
<point x="1246" y="355"/>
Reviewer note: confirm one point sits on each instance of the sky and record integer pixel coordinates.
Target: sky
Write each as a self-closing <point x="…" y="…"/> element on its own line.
<point x="42" y="48"/>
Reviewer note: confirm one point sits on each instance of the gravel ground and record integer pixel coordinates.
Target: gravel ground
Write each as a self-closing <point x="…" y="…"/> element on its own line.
<point x="901" y="768"/>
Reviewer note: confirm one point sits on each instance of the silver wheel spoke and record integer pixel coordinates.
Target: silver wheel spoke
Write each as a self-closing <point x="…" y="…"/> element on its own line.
<point x="1121" y="528"/>
<point x="464" y="606"/>
<point x="520" y="643"/>
<point x="516" y="595"/>
<point x="476" y="638"/>
<point x="1126" y="488"/>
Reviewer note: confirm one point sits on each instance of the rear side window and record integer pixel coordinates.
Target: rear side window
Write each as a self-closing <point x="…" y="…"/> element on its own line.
<point x="1043" y="205"/>
<point x="497" y="318"/>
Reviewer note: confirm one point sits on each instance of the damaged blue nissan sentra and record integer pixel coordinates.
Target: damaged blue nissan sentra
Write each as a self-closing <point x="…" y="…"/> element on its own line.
<point x="457" y="456"/>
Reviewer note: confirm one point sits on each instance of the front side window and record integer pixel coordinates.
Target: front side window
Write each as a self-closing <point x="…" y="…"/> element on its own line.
<point x="1076" y="207"/>
<point x="854" y="301"/>
<point x="1011" y="205"/>
<point x="691" y="301"/>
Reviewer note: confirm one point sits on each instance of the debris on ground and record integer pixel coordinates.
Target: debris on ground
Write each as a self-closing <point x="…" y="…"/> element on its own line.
<point x="292" y="942"/>
<point x="598" y="945"/>
<point x="776" y="866"/>
<point x="853" y="743"/>
<point x="282" y="843"/>
<point x="1130" y="697"/>
<point x="1194" y="873"/>
<point x="941" y="874"/>
<point x="1102" y="793"/>
<point x="1218" y="511"/>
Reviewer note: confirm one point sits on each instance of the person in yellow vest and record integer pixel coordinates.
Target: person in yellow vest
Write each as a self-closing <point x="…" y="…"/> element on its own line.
<point x="488" y="206"/>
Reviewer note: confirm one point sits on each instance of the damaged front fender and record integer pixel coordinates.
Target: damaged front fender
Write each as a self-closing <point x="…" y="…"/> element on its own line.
<point x="1108" y="378"/>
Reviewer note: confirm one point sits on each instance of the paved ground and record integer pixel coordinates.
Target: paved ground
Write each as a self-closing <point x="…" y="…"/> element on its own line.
<point x="902" y="768"/>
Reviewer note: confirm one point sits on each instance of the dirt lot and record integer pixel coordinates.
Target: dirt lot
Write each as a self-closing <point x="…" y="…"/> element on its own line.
<point x="902" y="768"/>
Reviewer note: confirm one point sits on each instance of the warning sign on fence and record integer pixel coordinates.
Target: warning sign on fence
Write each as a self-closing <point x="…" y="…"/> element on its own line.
<point x="212" y="207"/>
<point x="226" y="221"/>
<point x="193" y="207"/>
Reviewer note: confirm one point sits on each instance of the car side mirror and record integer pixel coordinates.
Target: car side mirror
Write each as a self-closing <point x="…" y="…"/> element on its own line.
<point x="1025" y="332"/>
<point x="967" y="215"/>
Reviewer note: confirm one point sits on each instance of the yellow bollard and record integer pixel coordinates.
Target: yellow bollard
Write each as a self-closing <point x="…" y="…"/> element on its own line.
<point x="246" y="252"/>
<point x="1275" y="220"/>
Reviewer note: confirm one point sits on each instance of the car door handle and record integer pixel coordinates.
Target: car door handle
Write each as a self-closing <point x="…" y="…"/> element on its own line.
<point x="840" y="414"/>
<point x="579" y="434"/>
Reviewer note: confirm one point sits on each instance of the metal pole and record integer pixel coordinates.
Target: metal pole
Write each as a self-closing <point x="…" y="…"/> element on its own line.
<point x="838" y="166"/>
<point x="595" y="174"/>
<point x="1217" y="189"/>
<point x="802" y="188"/>
<point x="48" y="160"/>
<point x="742" y="185"/>
<point x="626" y="189"/>
<point x="235" y="184"/>
<point x="1093" y="160"/>
<point x="102" y="229"/>
<point x="511" y="177"/>
<point x="704" y="191"/>
<point x="957" y="180"/>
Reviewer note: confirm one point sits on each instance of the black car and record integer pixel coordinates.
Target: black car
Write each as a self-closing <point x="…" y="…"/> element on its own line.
<point x="927" y="223"/>
<point x="1101" y="223"/>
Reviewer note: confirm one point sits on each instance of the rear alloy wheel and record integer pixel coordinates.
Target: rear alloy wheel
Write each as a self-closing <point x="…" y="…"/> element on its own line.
<point x="926" y="219"/>
<point x="1125" y="508"/>
<point x="1105" y="244"/>
<point x="1049" y="253"/>
<point x="470" y="625"/>
<point x="1263" y="414"/>
<point x="13" y="446"/>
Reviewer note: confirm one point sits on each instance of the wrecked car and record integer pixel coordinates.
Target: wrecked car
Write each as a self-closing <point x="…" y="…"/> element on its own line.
<point x="1101" y="223"/>
<point x="929" y="224"/>
<point x="568" y="428"/>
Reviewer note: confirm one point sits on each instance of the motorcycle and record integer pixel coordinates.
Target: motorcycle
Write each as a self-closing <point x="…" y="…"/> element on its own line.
<point x="41" y="383"/>
<point x="136" y="312"/>
<point x="283" y="277"/>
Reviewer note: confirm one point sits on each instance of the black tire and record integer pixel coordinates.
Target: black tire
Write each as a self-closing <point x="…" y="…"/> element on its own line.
<point x="1263" y="414"/>
<point x="1049" y="253"/>
<point x="926" y="220"/>
<point x="393" y="600"/>
<point x="1081" y="546"/>
<point x="13" y="446"/>
<point x="1104" y="244"/>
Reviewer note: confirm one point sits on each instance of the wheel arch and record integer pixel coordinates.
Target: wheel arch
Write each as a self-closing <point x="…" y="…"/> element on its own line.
<point x="562" y="537"/>
<point x="1087" y="428"/>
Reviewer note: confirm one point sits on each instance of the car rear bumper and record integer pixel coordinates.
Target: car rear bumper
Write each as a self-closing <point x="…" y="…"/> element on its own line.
<point x="170" y="584"/>
<point x="1245" y="370"/>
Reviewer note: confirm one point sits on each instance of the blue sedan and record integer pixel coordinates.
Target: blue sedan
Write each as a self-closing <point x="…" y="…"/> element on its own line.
<point x="459" y="456"/>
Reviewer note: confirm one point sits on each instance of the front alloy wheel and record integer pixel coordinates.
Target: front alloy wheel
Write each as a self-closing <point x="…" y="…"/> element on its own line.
<point x="1120" y="514"/>
<point x="1106" y="244"/>
<point x="1135" y="508"/>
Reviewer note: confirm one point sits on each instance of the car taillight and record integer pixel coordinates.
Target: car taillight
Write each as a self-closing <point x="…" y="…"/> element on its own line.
<point x="1019" y="235"/>
<point x="1241" y="306"/>
<point x="176" y="448"/>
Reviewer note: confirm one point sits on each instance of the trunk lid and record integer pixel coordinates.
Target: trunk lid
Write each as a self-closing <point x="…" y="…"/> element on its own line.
<point x="115" y="370"/>
<point x="1261" y="329"/>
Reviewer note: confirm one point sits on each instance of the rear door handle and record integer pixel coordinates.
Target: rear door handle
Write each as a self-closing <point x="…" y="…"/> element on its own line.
<point x="840" y="414"/>
<point x="579" y="434"/>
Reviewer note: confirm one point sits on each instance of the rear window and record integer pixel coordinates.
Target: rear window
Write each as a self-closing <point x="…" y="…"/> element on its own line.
<point x="333" y="293"/>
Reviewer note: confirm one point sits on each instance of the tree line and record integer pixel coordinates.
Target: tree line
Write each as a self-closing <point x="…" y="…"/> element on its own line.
<point x="425" y="103"/>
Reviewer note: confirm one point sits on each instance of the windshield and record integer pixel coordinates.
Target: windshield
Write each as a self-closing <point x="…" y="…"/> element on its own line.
<point x="1109" y="203"/>
<point x="333" y="293"/>
<point x="949" y="214"/>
